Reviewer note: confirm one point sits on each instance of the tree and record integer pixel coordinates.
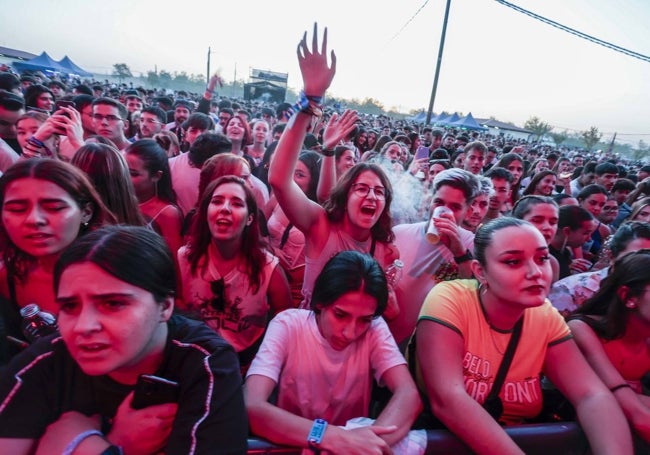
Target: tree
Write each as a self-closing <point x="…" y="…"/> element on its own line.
<point x="591" y="137"/>
<point x="165" y="78"/>
<point x="153" y="79"/>
<point x="558" y="138"/>
<point x="122" y="71"/>
<point x="537" y="126"/>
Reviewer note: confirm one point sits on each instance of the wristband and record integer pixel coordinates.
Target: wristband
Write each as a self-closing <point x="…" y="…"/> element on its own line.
<point x="310" y="105"/>
<point x="316" y="434"/>
<point x="72" y="445"/>
<point x="35" y="142"/>
<point x="327" y="152"/>
<point x="463" y="258"/>
<point x="620" y="386"/>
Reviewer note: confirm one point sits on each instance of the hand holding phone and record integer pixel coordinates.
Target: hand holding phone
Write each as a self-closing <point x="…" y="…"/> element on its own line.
<point x="152" y="390"/>
<point x="422" y="152"/>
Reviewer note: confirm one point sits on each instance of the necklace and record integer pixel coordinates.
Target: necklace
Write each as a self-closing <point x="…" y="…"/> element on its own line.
<point x="494" y="342"/>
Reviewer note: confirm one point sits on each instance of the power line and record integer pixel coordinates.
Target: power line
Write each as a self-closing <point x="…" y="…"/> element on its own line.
<point x="577" y="33"/>
<point x="407" y="23"/>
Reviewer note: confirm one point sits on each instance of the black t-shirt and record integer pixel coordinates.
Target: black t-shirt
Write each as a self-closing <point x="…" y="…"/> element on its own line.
<point x="44" y="381"/>
<point x="563" y="258"/>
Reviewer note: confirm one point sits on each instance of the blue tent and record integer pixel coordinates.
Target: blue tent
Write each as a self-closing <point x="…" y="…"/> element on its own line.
<point x="467" y="123"/>
<point x="41" y="63"/>
<point x="65" y="62"/>
<point x="448" y="120"/>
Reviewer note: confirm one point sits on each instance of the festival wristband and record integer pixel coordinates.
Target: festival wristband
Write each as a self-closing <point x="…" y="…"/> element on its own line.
<point x="327" y="152"/>
<point x="81" y="437"/>
<point x="310" y="105"/>
<point x="463" y="258"/>
<point x="316" y="434"/>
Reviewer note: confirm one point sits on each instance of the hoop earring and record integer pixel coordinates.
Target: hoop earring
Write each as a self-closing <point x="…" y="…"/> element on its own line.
<point x="483" y="288"/>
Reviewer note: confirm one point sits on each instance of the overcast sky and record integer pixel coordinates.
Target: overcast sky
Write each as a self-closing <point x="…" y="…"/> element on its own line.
<point x="497" y="62"/>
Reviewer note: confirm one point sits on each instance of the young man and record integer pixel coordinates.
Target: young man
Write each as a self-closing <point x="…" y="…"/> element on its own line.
<point x="182" y="110"/>
<point x="574" y="228"/>
<point x="620" y="191"/>
<point x="474" y="157"/>
<point x="478" y="208"/>
<point x="109" y="121"/>
<point x="586" y="178"/>
<point x="12" y="106"/>
<point x="606" y="175"/>
<point x="501" y="181"/>
<point x="152" y="120"/>
<point x="425" y="264"/>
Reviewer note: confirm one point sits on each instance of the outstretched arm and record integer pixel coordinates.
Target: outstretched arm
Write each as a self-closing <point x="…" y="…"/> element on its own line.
<point x="317" y="76"/>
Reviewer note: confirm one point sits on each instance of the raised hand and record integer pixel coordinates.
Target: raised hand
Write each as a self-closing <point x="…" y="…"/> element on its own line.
<point x="317" y="75"/>
<point x="338" y="128"/>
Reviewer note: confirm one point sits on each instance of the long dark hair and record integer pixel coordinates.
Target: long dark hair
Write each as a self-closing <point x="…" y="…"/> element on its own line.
<point x="335" y="205"/>
<point x="252" y="247"/>
<point x="67" y="177"/>
<point x="154" y="158"/>
<point x="632" y="271"/>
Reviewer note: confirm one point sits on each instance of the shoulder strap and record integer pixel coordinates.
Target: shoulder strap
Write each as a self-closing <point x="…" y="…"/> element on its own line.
<point x="507" y="360"/>
<point x="285" y="235"/>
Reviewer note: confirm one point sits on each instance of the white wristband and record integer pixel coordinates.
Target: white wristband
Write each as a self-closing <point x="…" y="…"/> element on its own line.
<point x="72" y="446"/>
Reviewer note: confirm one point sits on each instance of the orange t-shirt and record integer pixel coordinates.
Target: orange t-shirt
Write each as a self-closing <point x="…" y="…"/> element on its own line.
<point x="456" y="305"/>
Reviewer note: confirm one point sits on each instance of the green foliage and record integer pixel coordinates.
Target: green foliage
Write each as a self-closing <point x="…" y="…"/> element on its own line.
<point x="558" y="138"/>
<point x="121" y="71"/>
<point x="537" y="126"/>
<point x="591" y="137"/>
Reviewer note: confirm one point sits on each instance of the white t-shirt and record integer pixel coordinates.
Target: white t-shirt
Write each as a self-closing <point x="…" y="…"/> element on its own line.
<point x="317" y="381"/>
<point x="185" y="181"/>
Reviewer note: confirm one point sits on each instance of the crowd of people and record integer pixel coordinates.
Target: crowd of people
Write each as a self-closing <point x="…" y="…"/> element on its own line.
<point x="309" y="275"/>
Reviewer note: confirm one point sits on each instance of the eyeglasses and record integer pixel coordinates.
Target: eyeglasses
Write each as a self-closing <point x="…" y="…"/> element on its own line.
<point x="109" y="118"/>
<point x="362" y="190"/>
<point x="218" y="302"/>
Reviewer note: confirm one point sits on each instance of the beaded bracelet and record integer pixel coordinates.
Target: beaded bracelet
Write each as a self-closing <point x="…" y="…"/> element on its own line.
<point x="310" y="105"/>
<point x="39" y="145"/>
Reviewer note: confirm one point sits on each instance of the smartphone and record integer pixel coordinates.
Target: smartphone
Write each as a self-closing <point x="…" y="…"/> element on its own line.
<point x="64" y="103"/>
<point x="422" y="152"/>
<point x="152" y="390"/>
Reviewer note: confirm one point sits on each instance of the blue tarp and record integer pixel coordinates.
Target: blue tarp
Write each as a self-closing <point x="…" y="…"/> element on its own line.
<point x="41" y="63"/>
<point x="65" y="62"/>
<point x="467" y="123"/>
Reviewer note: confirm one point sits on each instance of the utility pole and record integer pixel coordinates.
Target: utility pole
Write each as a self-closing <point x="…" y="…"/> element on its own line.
<point x="438" y="63"/>
<point x="207" y="74"/>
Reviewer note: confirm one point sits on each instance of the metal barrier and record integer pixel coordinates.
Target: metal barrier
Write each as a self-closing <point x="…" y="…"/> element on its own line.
<point x="566" y="438"/>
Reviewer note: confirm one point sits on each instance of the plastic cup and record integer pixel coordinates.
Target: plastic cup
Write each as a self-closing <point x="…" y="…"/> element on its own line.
<point x="432" y="234"/>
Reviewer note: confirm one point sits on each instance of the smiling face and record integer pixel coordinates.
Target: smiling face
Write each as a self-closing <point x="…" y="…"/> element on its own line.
<point x="40" y="217"/>
<point x="609" y="212"/>
<point x="347" y="319"/>
<point x="109" y="326"/>
<point x="346" y="161"/>
<point x="228" y="213"/>
<point x="518" y="270"/>
<point x="546" y="185"/>
<point x="235" y="129"/>
<point x="45" y="101"/>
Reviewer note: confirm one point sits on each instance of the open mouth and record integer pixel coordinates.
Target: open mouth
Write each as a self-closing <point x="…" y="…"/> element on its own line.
<point x="370" y="211"/>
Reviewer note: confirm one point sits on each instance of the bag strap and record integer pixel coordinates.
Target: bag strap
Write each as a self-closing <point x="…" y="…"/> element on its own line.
<point x="285" y="235"/>
<point x="507" y="360"/>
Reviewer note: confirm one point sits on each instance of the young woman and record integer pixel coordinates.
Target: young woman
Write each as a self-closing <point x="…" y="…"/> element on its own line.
<point x="45" y="204"/>
<point x="115" y="296"/>
<point x="612" y="329"/>
<point x="107" y="169"/>
<point x="260" y="133"/>
<point x="542" y="184"/>
<point x="356" y="216"/>
<point x="228" y="277"/>
<point x="288" y="242"/>
<point x="149" y="170"/>
<point x="641" y="210"/>
<point x="27" y="125"/>
<point x="543" y="213"/>
<point x="323" y="361"/>
<point x="593" y="198"/>
<point x="239" y="133"/>
<point x="463" y="332"/>
<point x="514" y="163"/>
